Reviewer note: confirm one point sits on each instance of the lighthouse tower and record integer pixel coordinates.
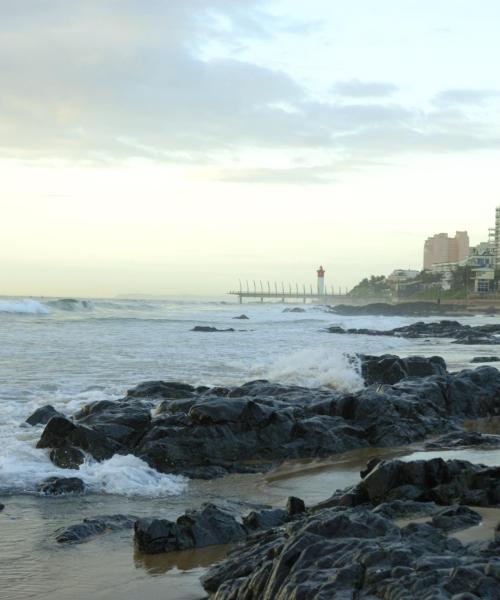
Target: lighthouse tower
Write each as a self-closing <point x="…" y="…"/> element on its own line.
<point x="321" y="281"/>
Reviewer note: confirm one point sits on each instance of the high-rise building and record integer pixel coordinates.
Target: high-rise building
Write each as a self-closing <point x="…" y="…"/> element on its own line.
<point x="440" y="248"/>
<point x="497" y="238"/>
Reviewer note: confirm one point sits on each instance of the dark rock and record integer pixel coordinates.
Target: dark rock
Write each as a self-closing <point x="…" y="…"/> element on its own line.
<point x="295" y="506"/>
<point x="462" y="334"/>
<point x="265" y="519"/>
<point x="209" y="432"/>
<point x="42" y="415"/>
<point x="485" y="359"/>
<point x="2" y="506"/>
<point x="403" y="309"/>
<point x="403" y="509"/>
<point x="389" y="369"/>
<point x="88" y="528"/>
<point x="67" y="457"/>
<point x="354" y="553"/>
<point x="55" y="486"/>
<point x="195" y="529"/>
<point x="463" y="439"/>
<point x="60" y="432"/>
<point x="207" y="329"/>
<point x="456" y="517"/>
<point x="161" y="389"/>
<point x="296" y="309"/>
<point x="436" y="480"/>
<point x="242" y="317"/>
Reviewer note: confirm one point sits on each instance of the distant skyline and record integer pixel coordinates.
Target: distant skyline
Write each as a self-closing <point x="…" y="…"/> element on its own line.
<point x="174" y="147"/>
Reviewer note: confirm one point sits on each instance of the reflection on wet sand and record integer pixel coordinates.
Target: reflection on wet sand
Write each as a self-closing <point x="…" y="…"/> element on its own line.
<point x="186" y="560"/>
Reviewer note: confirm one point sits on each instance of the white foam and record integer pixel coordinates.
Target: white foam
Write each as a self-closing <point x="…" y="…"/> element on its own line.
<point x="23" y="307"/>
<point x="24" y="466"/>
<point x="318" y="367"/>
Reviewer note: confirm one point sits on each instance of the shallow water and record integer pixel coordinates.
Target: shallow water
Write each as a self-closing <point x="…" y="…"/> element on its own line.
<point x="68" y="353"/>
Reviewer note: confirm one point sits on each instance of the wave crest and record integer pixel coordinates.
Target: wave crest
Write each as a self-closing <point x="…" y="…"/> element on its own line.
<point x="23" y="307"/>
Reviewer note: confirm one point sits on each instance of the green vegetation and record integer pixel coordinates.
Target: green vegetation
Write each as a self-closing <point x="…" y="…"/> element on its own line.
<point x="374" y="287"/>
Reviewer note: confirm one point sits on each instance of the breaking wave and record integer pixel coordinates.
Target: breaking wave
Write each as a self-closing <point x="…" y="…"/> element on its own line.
<point x="315" y="368"/>
<point x="71" y="304"/>
<point x="25" y="466"/>
<point x="23" y="307"/>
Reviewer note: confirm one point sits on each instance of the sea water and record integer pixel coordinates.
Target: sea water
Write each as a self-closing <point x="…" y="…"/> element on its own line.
<point x="68" y="352"/>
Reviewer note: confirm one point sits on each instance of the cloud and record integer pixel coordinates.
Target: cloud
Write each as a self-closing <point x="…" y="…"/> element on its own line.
<point x="354" y="88"/>
<point x="465" y="97"/>
<point x="108" y="81"/>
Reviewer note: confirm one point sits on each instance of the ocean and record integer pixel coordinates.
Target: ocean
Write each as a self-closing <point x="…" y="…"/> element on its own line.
<point x="68" y="352"/>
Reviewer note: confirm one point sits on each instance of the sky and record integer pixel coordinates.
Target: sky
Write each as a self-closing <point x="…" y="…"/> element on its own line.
<point x="179" y="146"/>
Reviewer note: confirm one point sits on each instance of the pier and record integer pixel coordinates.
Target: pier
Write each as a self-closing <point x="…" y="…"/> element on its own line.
<point x="283" y="293"/>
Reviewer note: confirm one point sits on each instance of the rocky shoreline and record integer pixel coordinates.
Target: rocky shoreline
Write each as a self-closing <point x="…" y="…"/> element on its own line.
<point x="462" y="334"/>
<point x="351" y="545"/>
<point x="210" y="432"/>
<point x="406" y="309"/>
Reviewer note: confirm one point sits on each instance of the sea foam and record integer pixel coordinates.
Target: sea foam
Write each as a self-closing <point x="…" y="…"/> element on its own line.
<point x="23" y="307"/>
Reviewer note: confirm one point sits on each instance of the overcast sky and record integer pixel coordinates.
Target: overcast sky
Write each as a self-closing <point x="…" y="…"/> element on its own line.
<point x="176" y="146"/>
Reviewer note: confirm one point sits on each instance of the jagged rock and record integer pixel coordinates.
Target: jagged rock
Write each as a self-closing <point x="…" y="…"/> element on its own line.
<point x="67" y="457"/>
<point x="389" y="369"/>
<point x="455" y="517"/>
<point x="90" y="527"/>
<point x="265" y="519"/>
<point x="42" y="415"/>
<point x="463" y="439"/>
<point x="354" y="553"/>
<point x="436" y="480"/>
<point x="195" y="529"/>
<point x="60" y="432"/>
<point x="161" y="389"/>
<point x="462" y="334"/>
<point x="55" y="486"/>
<point x="209" y="432"/>
<point x="403" y="509"/>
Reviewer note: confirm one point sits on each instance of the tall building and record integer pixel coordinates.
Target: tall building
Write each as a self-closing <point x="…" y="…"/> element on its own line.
<point x="442" y="249"/>
<point x="497" y="238"/>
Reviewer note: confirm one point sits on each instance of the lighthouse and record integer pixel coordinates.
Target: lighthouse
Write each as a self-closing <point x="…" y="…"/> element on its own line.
<point x="321" y="281"/>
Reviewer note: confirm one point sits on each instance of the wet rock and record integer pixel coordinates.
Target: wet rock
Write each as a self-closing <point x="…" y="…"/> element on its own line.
<point x="485" y="359"/>
<point x="354" y="553"/>
<point x="436" y="480"/>
<point x="456" y="517"/>
<point x="296" y="309"/>
<point x="56" y="486"/>
<point x="67" y="457"/>
<point x="295" y="506"/>
<point x="265" y="519"/>
<point x="91" y="527"/>
<point x="461" y="334"/>
<point x="241" y="317"/>
<point x="60" y="432"/>
<point x="207" y="329"/>
<point x="209" y="432"/>
<point x="42" y="415"/>
<point x="2" y="506"/>
<point x="161" y="389"/>
<point x="389" y="369"/>
<point x="403" y="509"/>
<point x="463" y="439"/>
<point x="195" y="529"/>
